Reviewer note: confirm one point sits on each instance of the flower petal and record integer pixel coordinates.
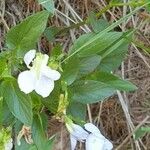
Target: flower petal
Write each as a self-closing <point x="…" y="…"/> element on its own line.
<point x="94" y="143"/>
<point x="50" y="73"/>
<point x="73" y="142"/>
<point x="79" y="133"/>
<point x="92" y="128"/>
<point x="29" y="56"/>
<point x="26" y="81"/>
<point x="45" y="59"/>
<point x="108" y="145"/>
<point x="44" y="86"/>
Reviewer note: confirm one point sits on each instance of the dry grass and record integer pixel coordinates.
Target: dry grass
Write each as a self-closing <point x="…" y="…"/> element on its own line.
<point x="119" y="116"/>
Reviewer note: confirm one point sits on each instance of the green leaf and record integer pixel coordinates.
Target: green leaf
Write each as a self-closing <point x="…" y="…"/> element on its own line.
<point x="112" y="57"/>
<point x="7" y="117"/>
<point x="77" y="110"/>
<point x="97" y="24"/>
<point x="90" y="91"/>
<point x="113" y="60"/>
<point x="141" y="132"/>
<point x="38" y="134"/>
<point x="50" y="143"/>
<point x="114" y="81"/>
<point x="100" y="25"/>
<point x="24" y="36"/>
<point x="148" y="7"/>
<point x="100" y="86"/>
<point x="48" y="5"/>
<point x="18" y="103"/>
<point x="45" y="120"/>
<point x="56" y="51"/>
<point x="100" y="44"/>
<point x="52" y="101"/>
<point x="25" y="146"/>
<point x="71" y="70"/>
<point x="88" y="64"/>
<point x="51" y="32"/>
<point x="102" y="33"/>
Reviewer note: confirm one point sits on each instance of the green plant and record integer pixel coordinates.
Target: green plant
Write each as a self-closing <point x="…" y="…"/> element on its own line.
<point x="86" y="76"/>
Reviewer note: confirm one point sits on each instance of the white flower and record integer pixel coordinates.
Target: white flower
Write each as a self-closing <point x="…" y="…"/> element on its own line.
<point x="77" y="133"/>
<point x="9" y="144"/>
<point x="39" y="77"/>
<point x="94" y="140"/>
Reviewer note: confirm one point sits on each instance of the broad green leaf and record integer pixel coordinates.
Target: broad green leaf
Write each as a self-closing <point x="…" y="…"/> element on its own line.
<point x="148" y="7"/>
<point x="100" y="86"/>
<point x="100" y="25"/>
<point x="56" y="51"/>
<point x="17" y="126"/>
<point x="24" y="36"/>
<point x="90" y="91"/>
<point x="80" y="42"/>
<point x="114" y="81"/>
<point x="18" y="103"/>
<point x="97" y="24"/>
<point x="100" y="44"/>
<point x="113" y="60"/>
<point x="71" y="70"/>
<point x="50" y="143"/>
<point x="102" y="33"/>
<point x="39" y="135"/>
<point x="113" y="56"/>
<point x="48" y="5"/>
<point x="141" y="132"/>
<point x="45" y="120"/>
<point x="88" y="64"/>
<point x="25" y="146"/>
<point x="7" y="117"/>
<point x="77" y="110"/>
<point x="52" y="101"/>
<point x="36" y="101"/>
<point x="51" y="32"/>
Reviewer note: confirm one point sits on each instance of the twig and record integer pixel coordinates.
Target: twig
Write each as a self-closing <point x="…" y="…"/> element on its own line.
<point x="2" y="13"/>
<point x="89" y="113"/>
<point x="128" y="137"/>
